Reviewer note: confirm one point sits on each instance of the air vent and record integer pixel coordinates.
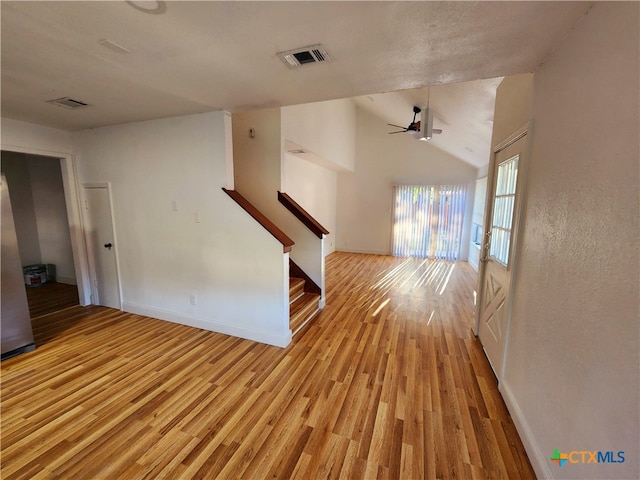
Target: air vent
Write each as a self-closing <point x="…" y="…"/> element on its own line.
<point x="305" y="55"/>
<point x="67" y="102"/>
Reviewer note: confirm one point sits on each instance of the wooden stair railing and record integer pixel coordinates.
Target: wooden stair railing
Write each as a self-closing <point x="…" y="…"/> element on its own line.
<point x="302" y="215"/>
<point x="261" y="219"/>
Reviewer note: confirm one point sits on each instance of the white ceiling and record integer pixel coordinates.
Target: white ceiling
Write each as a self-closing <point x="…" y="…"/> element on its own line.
<point x="463" y="111"/>
<point x="192" y="57"/>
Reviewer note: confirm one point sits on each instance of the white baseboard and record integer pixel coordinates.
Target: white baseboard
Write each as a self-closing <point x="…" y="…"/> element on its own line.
<point x="473" y="263"/>
<point x="357" y="250"/>
<point x="226" y="329"/>
<point x="539" y="461"/>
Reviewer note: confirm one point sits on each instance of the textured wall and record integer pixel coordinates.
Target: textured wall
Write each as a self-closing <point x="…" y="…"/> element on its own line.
<point x="572" y="364"/>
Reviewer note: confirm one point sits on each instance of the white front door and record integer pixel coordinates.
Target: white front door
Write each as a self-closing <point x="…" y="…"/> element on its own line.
<point x="496" y="274"/>
<point x="101" y="246"/>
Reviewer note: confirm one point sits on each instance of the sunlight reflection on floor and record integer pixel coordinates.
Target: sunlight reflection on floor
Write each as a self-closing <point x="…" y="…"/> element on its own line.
<point x="395" y="287"/>
<point x="429" y="272"/>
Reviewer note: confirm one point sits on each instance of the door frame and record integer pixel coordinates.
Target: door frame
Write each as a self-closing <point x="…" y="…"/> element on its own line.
<point x="516" y="234"/>
<point x="92" y="268"/>
<point x="72" y="202"/>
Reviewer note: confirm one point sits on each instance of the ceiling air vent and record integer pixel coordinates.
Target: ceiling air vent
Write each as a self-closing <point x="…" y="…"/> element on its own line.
<point x="302" y="56"/>
<point x="67" y="102"/>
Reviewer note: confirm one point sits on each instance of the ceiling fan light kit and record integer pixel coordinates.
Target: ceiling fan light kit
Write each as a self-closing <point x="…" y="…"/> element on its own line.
<point x="422" y="129"/>
<point x="426" y="126"/>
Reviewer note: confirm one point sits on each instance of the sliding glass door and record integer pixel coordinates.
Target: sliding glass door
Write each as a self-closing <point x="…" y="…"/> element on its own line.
<point x="428" y="221"/>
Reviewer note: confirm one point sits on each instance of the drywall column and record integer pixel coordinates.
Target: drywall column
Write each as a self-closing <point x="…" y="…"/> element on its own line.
<point x="257" y="159"/>
<point x="571" y="378"/>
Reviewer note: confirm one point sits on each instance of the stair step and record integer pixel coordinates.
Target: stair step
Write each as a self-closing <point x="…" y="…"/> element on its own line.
<point x="301" y="311"/>
<point x="296" y="288"/>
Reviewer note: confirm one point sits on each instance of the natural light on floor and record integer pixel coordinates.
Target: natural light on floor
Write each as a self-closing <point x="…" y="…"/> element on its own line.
<point x="417" y="273"/>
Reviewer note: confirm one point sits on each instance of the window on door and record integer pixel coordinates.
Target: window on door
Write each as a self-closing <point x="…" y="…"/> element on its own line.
<point x="428" y="221"/>
<point x="502" y="218"/>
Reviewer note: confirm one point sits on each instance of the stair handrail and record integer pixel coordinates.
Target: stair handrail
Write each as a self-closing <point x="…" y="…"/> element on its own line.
<point x="261" y="218"/>
<point x="302" y="215"/>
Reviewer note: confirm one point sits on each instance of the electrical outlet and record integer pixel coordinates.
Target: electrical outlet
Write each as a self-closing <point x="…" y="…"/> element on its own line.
<point x="193" y="299"/>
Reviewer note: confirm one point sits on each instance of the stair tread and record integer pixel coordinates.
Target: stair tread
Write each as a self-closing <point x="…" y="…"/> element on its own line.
<point x="296" y="288"/>
<point x="302" y="309"/>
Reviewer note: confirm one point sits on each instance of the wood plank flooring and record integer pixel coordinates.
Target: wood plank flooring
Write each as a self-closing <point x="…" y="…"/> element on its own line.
<point x="387" y="381"/>
<point x="51" y="297"/>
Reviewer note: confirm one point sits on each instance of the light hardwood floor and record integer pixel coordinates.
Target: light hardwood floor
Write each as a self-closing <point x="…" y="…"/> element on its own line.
<point x="51" y="297"/>
<point x="387" y="381"/>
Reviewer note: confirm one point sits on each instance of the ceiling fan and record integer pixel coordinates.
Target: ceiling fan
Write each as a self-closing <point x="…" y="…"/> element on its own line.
<point x="423" y="128"/>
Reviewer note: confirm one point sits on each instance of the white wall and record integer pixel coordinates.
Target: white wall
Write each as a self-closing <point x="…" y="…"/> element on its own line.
<point x="51" y="216"/>
<point x="18" y="136"/>
<point x="325" y="128"/>
<point x="28" y="138"/>
<point x="314" y="188"/>
<point x="257" y="161"/>
<point x="234" y="267"/>
<point x="327" y="133"/>
<point x="261" y="171"/>
<point x="364" y="217"/>
<point x="571" y="377"/>
<point x="513" y="107"/>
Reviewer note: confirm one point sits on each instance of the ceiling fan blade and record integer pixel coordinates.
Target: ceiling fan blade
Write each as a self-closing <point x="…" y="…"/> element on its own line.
<point x="436" y="130"/>
<point x="399" y="131"/>
<point x="393" y="125"/>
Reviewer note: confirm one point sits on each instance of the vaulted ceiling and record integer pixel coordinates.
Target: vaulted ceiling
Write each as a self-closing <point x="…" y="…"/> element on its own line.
<point x="141" y="60"/>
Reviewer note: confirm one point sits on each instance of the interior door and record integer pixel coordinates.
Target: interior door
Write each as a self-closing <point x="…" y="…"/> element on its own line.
<point x="498" y="250"/>
<point x="101" y="246"/>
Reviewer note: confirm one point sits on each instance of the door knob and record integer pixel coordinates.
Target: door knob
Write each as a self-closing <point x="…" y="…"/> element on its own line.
<point x="108" y="246"/>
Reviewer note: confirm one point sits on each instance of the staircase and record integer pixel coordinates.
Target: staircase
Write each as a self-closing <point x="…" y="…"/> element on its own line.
<point x="302" y="305"/>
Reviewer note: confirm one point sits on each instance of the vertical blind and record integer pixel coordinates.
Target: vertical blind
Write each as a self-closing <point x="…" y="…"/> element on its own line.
<point x="428" y="220"/>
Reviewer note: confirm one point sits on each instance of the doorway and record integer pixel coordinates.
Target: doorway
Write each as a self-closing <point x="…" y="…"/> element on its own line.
<point x="44" y="237"/>
<point x="101" y="245"/>
<point x="499" y="247"/>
